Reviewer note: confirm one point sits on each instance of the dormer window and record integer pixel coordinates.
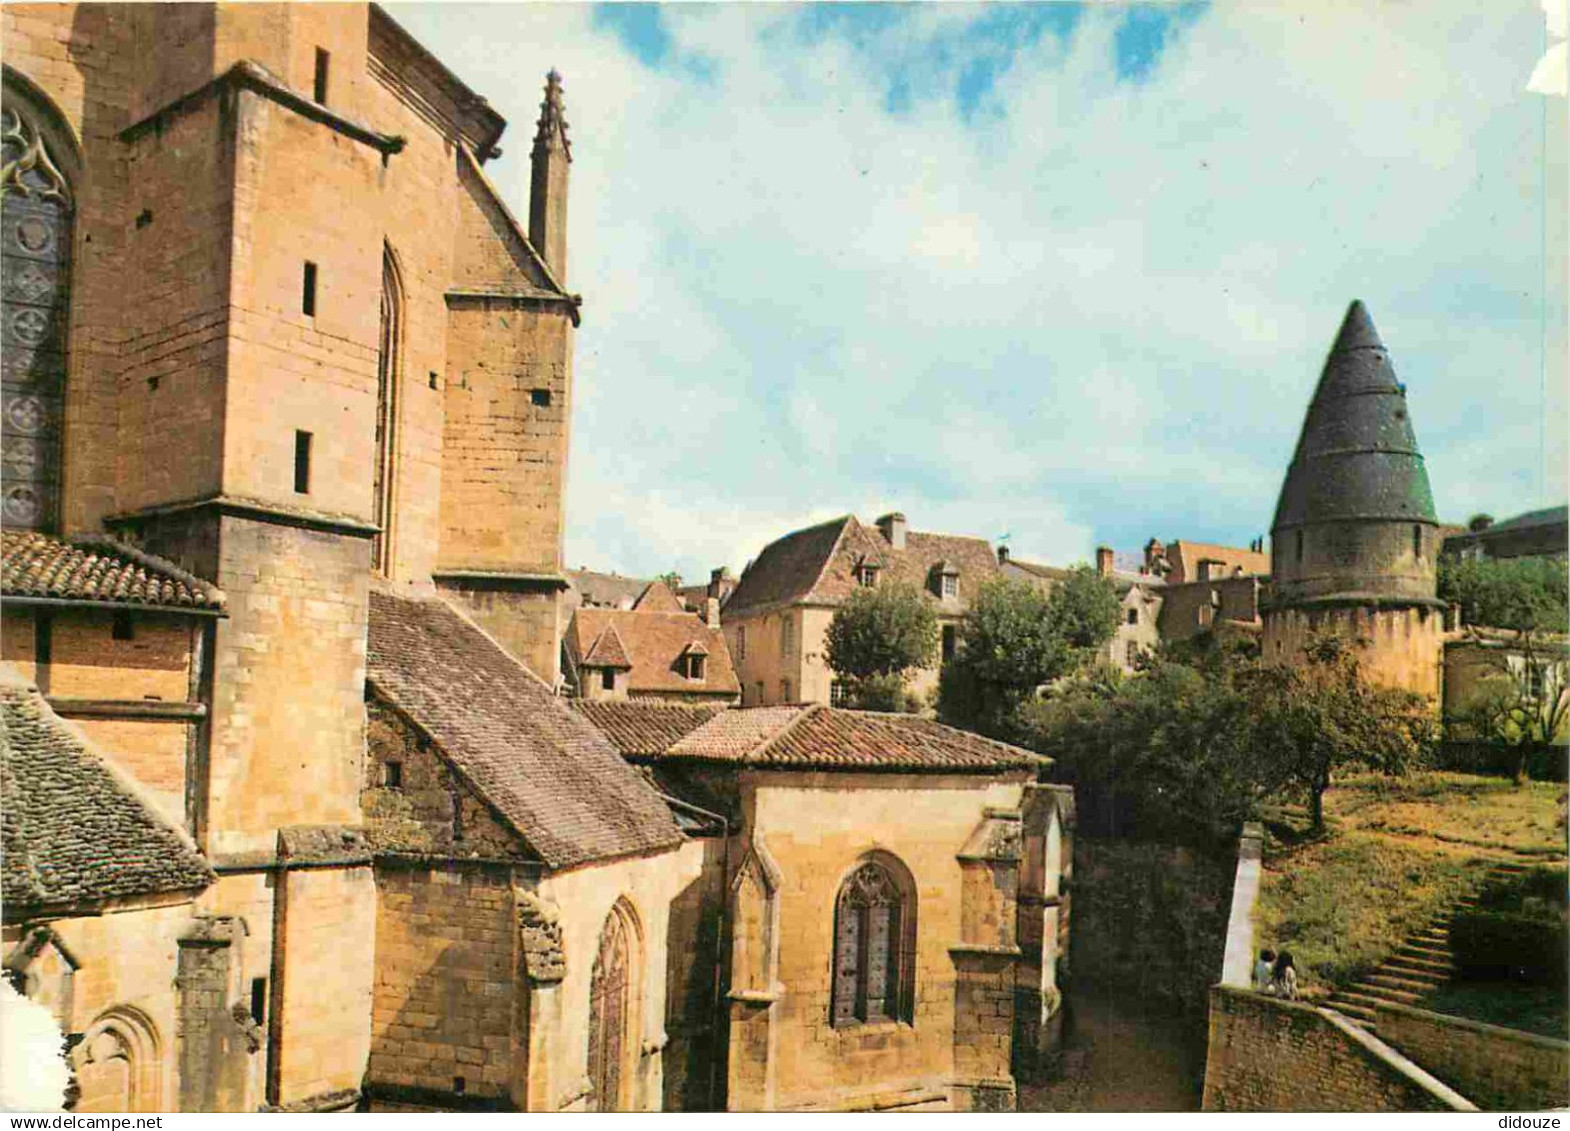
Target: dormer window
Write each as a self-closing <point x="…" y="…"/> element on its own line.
<point x="691" y="662"/>
<point x="950" y="585"/>
<point x="694" y="666"/>
<point x="944" y="580"/>
<point x="867" y="576"/>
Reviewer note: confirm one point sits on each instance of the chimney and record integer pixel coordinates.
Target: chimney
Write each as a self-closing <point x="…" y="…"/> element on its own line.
<point x="1103" y="561"/>
<point x="717" y="579"/>
<point x="1003" y="554"/>
<point x="893" y="528"/>
<point x="548" y="183"/>
<point x="711" y="611"/>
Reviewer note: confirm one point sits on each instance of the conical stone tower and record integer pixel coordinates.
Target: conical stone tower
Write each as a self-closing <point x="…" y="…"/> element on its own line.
<point x="1355" y="537"/>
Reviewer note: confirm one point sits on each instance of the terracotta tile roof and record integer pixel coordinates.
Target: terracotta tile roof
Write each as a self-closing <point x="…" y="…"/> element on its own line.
<point x="557" y="780"/>
<point x="73" y="830"/>
<point x="643" y="728"/>
<point x="820" y="565"/>
<point x="653" y="643"/>
<point x="97" y="569"/>
<point x="657" y="598"/>
<point x="608" y="651"/>
<point x="828" y="738"/>
<point x="1186" y="556"/>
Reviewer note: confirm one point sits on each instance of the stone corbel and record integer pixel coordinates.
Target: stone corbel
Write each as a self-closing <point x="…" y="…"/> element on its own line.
<point x="540" y="937"/>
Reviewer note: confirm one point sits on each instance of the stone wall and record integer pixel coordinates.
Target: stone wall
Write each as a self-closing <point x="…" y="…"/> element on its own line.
<point x="1150" y="920"/>
<point x="1403" y="646"/>
<point x="1267" y="1054"/>
<point x="1497" y="1069"/>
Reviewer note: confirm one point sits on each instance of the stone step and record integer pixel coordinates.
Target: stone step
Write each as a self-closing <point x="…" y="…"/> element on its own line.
<point x="1426" y="951"/>
<point x="1353" y="1010"/>
<point x="1385" y="993"/>
<point x="1360" y="996"/>
<point x="1419" y="985"/>
<point x="1418" y="968"/>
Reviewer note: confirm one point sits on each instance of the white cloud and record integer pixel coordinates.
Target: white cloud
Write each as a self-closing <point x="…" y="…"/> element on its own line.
<point x="1093" y="312"/>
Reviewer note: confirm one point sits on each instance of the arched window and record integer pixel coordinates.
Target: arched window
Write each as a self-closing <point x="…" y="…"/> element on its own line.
<point x="612" y="1008"/>
<point x="36" y="209"/>
<point x="389" y="370"/>
<point x="874" y="945"/>
<point x="119" y="1064"/>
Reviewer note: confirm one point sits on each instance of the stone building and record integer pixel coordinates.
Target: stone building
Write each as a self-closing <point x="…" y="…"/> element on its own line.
<point x="1536" y="534"/>
<point x="776" y="618"/>
<point x="1141" y="599"/>
<point x="654" y="650"/>
<point x="892" y="901"/>
<point x="283" y="373"/>
<point x="1355" y="540"/>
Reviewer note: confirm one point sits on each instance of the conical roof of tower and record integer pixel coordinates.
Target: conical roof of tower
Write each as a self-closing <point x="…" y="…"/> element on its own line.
<point x="1357" y="457"/>
<point x="551" y="130"/>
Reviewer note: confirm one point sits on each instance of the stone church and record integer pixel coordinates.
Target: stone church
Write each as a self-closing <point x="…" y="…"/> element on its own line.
<point x="294" y="817"/>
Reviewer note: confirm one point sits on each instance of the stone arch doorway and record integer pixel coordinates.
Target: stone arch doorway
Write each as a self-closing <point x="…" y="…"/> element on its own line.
<point x="120" y="1065"/>
<point x="613" y="1011"/>
<point x="38" y="165"/>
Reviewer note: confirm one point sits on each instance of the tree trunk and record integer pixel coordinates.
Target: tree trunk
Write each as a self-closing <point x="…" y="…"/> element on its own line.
<point x="1523" y="754"/>
<point x="1317" y="804"/>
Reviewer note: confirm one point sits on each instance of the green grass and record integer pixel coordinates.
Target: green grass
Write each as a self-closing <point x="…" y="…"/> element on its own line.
<point x="1397" y="853"/>
<point x="1535" y="1009"/>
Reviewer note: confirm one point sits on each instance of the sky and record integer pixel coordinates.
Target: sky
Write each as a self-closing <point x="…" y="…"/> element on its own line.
<point x="1057" y="272"/>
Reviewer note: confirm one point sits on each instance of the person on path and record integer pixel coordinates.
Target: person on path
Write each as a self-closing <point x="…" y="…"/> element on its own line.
<point x="1263" y="969"/>
<point x="1284" y="976"/>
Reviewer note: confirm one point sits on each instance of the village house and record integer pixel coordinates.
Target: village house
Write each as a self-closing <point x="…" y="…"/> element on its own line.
<point x="776" y="619"/>
<point x="1536" y="534"/>
<point x="656" y="649"/>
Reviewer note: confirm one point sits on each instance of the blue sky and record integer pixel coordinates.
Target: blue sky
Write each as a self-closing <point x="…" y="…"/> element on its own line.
<point x="1063" y="272"/>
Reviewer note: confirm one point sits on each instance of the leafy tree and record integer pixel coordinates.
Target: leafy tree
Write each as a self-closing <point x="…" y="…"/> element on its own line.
<point x="1188" y="750"/>
<point x="876" y="637"/>
<point x="1516" y="593"/>
<point x="672" y="580"/>
<point x="1524" y="698"/>
<point x="1311" y="720"/>
<point x="1014" y="638"/>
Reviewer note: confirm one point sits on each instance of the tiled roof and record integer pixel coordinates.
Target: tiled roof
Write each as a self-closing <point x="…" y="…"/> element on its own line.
<point x="819" y="564"/>
<point x="75" y="832"/>
<point x="1548" y="516"/>
<point x="657" y="598"/>
<point x="1186" y="556"/>
<point x="828" y="738"/>
<point x="38" y="565"/>
<point x="557" y="780"/>
<point x="604" y="590"/>
<point x="643" y="728"/>
<point x="653" y="643"/>
<point x="608" y="651"/>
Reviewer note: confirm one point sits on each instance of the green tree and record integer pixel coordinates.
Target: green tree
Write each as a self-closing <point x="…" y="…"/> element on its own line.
<point x="876" y="637"/>
<point x="1516" y="593"/>
<point x="1523" y="702"/>
<point x="1015" y="638"/>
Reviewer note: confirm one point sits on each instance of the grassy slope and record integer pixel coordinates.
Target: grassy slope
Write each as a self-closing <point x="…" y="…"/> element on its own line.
<point x="1400" y="851"/>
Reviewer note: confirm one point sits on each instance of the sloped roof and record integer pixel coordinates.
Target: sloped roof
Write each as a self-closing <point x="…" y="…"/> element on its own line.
<point x="1357" y="457"/>
<point x="97" y="569"/>
<point x="557" y="780"/>
<point x="73" y="830"/>
<point x="829" y="738"/>
<point x="608" y="590"/>
<point x="643" y="728"/>
<point x="657" y="598"/>
<point x="1186" y="556"/>
<point x="1548" y="516"/>
<point x="819" y="565"/>
<point x="608" y="651"/>
<point x="653" y="643"/>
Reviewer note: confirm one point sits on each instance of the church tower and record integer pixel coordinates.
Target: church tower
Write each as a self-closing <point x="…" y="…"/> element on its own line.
<point x="1355" y="537"/>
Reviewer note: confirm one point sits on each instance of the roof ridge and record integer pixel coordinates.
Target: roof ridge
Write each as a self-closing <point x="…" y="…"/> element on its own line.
<point x="809" y="709"/>
<point x="828" y="558"/>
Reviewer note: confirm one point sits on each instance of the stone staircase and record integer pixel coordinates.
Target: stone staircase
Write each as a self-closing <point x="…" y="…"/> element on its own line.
<point x="1421" y="965"/>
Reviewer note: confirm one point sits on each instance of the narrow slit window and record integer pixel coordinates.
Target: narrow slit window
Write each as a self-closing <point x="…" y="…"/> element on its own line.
<point x="1300" y="547"/>
<point x="1417" y="541"/>
<point x="124" y="627"/>
<point x="302" y="463"/>
<point x="308" y="291"/>
<point x="43" y="637"/>
<point x="259" y="1000"/>
<point x="608" y="679"/>
<point x="392" y="774"/>
<point x="540" y="398"/>
<point x="319" y="87"/>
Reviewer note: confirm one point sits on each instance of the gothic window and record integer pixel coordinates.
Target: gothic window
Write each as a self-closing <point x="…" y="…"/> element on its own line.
<point x="35" y="261"/>
<point x="874" y="936"/>
<point x="388" y="372"/>
<point x="610" y="1006"/>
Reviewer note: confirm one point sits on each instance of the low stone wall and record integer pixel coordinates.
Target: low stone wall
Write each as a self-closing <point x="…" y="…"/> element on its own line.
<point x="1150" y="920"/>
<point x="1267" y="1054"/>
<point x="1497" y="1069"/>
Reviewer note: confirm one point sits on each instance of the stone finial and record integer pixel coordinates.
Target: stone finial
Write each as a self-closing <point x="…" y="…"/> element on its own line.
<point x="551" y="130"/>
